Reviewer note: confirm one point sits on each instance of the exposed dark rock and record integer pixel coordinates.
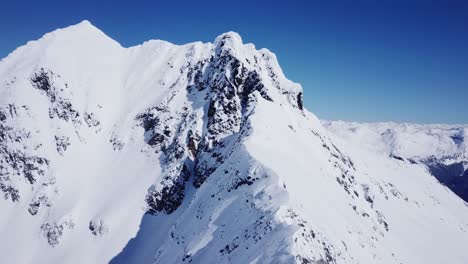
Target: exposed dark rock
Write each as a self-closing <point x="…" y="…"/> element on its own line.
<point x="97" y="227"/>
<point x="30" y="167"/>
<point x="229" y="98"/>
<point x="36" y="204"/>
<point x="367" y="197"/>
<point x="62" y="143"/>
<point x="192" y="144"/>
<point x="60" y="107"/>
<point x="91" y="120"/>
<point x="64" y="110"/>
<point x="303" y="260"/>
<point x="9" y="191"/>
<point x="396" y="157"/>
<point x="381" y="220"/>
<point x="167" y="200"/>
<point x="300" y="103"/>
<point x="247" y="181"/>
<point x="117" y="144"/>
<point x="16" y="163"/>
<point x="3" y="116"/>
<point x="156" y="139"/>
<point x="155" y="122"/>
<point x="170" y="197"/>
<point x="148" y="120"/>
<point x="228" y="249"/>
<point x="42" y="80"/>
<point x="228" y="104"/>
<point x="53" y="232"/>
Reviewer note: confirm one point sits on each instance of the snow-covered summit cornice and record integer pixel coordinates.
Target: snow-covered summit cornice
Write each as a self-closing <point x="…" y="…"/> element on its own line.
<point x="83" y="48"/>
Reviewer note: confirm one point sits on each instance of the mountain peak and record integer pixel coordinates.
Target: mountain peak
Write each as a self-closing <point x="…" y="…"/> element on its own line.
<point x="230" y="35"/>
<point x="83" y="23"/>
<point x="210" y="142"/>
<point x="83" y="26"/>
<point x="228" y="40"/>
<point x="81" y="29"/>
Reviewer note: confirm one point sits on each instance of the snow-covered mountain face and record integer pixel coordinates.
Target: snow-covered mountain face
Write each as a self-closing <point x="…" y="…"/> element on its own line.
<point x="201" y="153"/>
<point x="442" y="148"/>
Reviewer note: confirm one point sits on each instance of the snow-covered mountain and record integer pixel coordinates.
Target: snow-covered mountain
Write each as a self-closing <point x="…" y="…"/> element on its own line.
<point x="200" y="153"/>
<point x="442" y="148"/>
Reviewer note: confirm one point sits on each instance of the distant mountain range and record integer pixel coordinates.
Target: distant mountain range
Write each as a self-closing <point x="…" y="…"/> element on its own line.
<point x="442" y="148"/>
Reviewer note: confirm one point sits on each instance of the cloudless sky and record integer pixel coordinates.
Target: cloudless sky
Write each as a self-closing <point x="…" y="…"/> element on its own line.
<point x="388" y="60"/>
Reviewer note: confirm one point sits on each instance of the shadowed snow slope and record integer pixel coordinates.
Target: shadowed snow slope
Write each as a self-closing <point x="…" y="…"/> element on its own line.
<point x="200" y="153"/>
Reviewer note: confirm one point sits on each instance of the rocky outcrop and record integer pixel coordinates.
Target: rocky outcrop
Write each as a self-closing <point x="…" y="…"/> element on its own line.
<point x="18" y="165"/>
<point x="227" y="86"/>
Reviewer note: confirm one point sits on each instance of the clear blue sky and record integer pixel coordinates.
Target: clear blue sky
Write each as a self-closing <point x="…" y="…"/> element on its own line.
<point x="390" y="60"/>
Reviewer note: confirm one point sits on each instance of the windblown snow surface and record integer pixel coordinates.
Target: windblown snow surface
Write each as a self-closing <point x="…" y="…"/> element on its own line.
<point x="200" y="153"/>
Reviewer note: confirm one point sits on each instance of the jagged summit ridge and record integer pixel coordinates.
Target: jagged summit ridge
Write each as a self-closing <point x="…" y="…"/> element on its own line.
<point x="230" y="38"/>
<point x="84" y="42"/>
<point x="199" y="153"/>
<point x="183" y="110"/>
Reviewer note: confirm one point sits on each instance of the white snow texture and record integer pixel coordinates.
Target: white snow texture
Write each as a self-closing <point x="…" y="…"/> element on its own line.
<point x="202" y="153"/>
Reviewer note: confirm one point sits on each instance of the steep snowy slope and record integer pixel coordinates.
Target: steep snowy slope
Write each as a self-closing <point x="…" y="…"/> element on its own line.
<point x="200" y="153"/>
<point x="442" y="148"/>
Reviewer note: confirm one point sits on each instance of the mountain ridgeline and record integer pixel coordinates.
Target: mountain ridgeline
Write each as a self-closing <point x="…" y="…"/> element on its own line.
<point x="202" y="153"/>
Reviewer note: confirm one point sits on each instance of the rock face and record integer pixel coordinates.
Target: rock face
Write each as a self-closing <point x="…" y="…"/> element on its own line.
<point x="201" y="153"/>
